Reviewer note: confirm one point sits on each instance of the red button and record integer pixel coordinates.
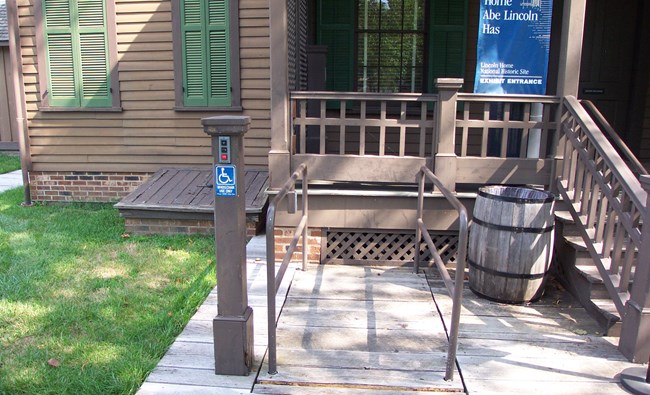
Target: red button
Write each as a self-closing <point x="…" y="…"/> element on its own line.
<point x="224" y="157"/>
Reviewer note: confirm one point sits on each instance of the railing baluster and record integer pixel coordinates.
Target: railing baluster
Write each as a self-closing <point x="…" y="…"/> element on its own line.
<point x="602" y="214"/>
<point x="402" y="129"/>
<point x="626" y="267"/>
<point x="525" y="132"/>
<point x="342" y="119"/>
<point x="505" y="132"/>
<point x="362" y="131"/>
<point x="465" y="134"/>
<point x="323" y="116"/>
<point x="586" y="203"/>
<point x="543" y="146"/>
<point x="423" y="129"/>
<point x="484" y="136"/>
<point x="382" y="129"/>
<point x="303" y="126"/>
<point x="608" y="239"/>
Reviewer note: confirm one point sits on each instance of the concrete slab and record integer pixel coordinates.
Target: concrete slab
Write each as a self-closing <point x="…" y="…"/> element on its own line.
<point x="11" y="180"/>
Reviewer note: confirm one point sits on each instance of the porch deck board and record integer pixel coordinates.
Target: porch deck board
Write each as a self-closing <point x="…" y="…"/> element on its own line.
<point x="191" y="190"/>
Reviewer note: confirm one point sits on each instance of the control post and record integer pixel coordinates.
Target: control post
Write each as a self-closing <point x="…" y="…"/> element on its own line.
<point x="233" y="325"/>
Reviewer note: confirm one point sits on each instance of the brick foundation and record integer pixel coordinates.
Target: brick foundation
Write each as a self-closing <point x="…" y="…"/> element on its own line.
<point x="283" y="237"/>
<point x="148" y="226"/>
<point x="80" y="186"/>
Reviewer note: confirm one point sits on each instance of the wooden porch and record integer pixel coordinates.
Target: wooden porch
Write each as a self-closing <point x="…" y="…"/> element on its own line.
<point x="378" y="330"/>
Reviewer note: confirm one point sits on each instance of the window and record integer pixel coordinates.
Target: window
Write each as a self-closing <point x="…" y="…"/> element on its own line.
<point x="78" y="69"/>
<point x="206" y="45"/>
<point x="391" y="45"/>
<point x="390" y="54"/>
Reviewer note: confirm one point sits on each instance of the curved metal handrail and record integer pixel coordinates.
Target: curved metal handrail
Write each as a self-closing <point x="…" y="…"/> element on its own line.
<point x="454" y="287"/>
<point x="274" y="280"/>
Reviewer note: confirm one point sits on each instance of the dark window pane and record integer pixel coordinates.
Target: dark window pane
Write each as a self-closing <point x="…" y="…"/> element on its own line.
<point x="413" y="15"/>
<point x="368" y="11"/>
<point x="390" y="45"/>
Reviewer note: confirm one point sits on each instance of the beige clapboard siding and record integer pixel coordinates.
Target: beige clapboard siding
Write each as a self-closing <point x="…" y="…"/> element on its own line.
<point x="148" y="133"/>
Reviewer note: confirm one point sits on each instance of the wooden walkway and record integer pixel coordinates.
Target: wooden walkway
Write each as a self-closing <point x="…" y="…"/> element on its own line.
<point x="360" y="328"/>
<point x="551" y="346"/>
<point x="363" y="330"/>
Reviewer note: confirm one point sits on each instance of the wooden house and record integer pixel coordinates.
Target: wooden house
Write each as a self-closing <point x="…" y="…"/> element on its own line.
<point x="115" y="90"/>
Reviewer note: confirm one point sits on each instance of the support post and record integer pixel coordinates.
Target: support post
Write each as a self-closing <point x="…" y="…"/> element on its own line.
<point x="568" y="76"/>
<point x="233" y="325"/>
<point x="279" y="155"/>
<point x="635" y="331"/>
<point x="445" y="154"/>
<point x="573" y="24"/>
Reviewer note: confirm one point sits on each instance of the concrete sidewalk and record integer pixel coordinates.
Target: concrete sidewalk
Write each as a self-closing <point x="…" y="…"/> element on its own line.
<point x="11" y="180"/>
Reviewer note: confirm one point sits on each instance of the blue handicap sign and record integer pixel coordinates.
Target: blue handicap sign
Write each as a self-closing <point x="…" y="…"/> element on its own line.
<point x="225" y="181"/>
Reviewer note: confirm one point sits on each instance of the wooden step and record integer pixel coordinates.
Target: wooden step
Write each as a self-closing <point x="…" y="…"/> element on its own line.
<point x="607" y="309"/>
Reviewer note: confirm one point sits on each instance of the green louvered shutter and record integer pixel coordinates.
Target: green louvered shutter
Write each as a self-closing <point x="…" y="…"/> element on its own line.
<point x="95" y="88"/>
<point x="206" y="57"/>
<point x="218" y="54"/>
<point x="336" y="31"/>
<point x="447" y="38"/>
<point x="77" y="53"/>
<point x="59" y="41"/>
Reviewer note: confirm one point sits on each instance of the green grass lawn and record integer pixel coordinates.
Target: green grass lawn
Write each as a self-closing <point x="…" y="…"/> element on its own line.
<point x="84" y="308"/>
<point x="9" y="163"/>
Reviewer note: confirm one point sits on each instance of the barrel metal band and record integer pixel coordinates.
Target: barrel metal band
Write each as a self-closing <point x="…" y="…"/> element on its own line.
<point x="514" y="229"/>
<point x="513" y="199"/>
<point x="525" y="276"/>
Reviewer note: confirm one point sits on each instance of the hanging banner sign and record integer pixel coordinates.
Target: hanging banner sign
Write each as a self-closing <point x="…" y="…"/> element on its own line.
<point x="513" y="43"/>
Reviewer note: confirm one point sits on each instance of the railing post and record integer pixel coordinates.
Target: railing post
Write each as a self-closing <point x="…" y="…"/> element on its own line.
<point x="558" y="148"/>
<point x="635" y="342"/>
<point x="445" y="153"/>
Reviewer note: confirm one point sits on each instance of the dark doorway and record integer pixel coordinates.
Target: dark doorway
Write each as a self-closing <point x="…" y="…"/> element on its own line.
<point x="607" y="72"/>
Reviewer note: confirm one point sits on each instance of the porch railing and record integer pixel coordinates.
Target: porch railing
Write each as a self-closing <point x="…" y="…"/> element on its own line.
<point x="464" y="138"/>
<point x="505" y="139"/>
<point x="454" y="287"/>
<point x="609" y="205"/>
<point x="375" y="137"/>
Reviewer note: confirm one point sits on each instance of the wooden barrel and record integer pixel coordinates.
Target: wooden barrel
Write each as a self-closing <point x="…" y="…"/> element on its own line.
<point x="510" y="243"/>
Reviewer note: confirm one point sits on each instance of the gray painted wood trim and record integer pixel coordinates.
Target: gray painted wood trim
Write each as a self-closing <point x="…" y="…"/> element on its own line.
<point x="235" y="72"/>
<point x="361" y="168"/>
<point x="573" y="23"/>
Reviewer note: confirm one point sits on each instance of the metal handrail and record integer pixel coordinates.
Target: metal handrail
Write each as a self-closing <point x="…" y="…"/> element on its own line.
<point x="455" y="287"/>
<point x="613" y="137"/>
<point x="274" y="280"/>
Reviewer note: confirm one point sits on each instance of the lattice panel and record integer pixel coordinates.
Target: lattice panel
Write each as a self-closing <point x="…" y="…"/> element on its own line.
<point x="346" y="246"/>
